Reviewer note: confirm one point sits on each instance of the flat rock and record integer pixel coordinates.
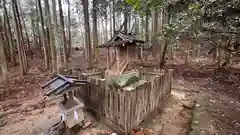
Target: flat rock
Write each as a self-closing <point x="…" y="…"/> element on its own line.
<point x="188" y="104"/>
<point x="3" y="121"/>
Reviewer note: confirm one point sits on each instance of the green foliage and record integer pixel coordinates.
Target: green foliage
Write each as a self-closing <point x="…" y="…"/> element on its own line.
<point x="198" y="19"/>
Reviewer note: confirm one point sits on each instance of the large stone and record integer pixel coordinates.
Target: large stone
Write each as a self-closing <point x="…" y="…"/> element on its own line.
<point x="135" y="85"/>
<point x="127" y="79"/>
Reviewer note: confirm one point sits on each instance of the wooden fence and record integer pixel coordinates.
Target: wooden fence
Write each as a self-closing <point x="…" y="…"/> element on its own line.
<point x="127" y="108"/>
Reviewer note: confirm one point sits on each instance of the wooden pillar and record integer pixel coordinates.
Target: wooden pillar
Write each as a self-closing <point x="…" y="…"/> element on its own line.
<point x="111" y="56"/>
<point x="108" y="65"/>
<point x="118" y="58"/>
<point x="127" y="56"/>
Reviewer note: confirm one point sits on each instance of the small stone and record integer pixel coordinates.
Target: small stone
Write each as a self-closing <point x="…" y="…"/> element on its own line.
<point x="3" y="121"/>
<point x="196" y="122"/>
<point x="188" y="104"/>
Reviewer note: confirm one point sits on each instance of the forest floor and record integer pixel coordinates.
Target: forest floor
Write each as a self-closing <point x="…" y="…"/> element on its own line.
<point x="202" y="102"/>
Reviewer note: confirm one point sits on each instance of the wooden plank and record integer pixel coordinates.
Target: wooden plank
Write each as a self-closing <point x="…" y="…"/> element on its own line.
<point x="129" y="110"/>
<point x="106" y="105"/>
<point x="151" y="73"/>
<point x="158" y="91"/>
<point x="125" y="110"/>
<point x="122" y="109"/>
<point x="111" y="103"/>
<point x="92" y="73"/>
<point x="137" y="107"/>
<point x="102" y="95"/>
<point x="133" y="107"/>
<point x="146" y="91"/>
<point x="116" y="105"/>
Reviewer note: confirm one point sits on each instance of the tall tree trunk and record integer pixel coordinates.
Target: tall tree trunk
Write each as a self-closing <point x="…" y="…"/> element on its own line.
<point x="44" y="40"/>
<point x="111" y="30"/>
<point x="163" y="54"/>
<point x="57" y="39"/>
<point x="95" y="28"/>
<point x="142" y="28"/>
<point x="33" y="25"/>
<point x="37" y="29"/>
<point x="52" y="43"/>
<point x="6" y="40"/>
<point x="87" y="32"/>
<point x="3" y="60"/>
<point x="114" y="19"/>
<point x="9" y="34"/>
<point x="21" y="54"/>
<point x="106" y="28"/>
<point x="21" y="33"/>
<point x="146" y="29"/>
<point x="30" y="53"/>
<point x="125" y="21"/>
<point x="65" y="60"/>
<point x="154" y="31"/>
<point x="69" y="30"/>
<point x="29" y="50"/>
<point x="136" y="26"/>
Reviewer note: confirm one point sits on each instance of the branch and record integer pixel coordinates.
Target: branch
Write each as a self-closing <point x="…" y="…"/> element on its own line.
<point x="218" y="31"/>
<point x="121" y="27"/>
<point x="216" y="45"/>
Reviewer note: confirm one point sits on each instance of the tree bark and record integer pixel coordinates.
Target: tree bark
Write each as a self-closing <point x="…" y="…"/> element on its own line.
<point x="111" y="30"/>
<point x="154" y="30"/>
<point x="21" y="35"/>
<point x="3" y="60"/>
<point x="126" y="21"/>
<point x="44" y="40"/>
<point x="37" y="29"/>
<point x="114" y="19"/>
<point x="163" y="54"/>
<point x="95" y="29"/>
<point x="69" y="30"/>
<point x="57" y="38"/>
<point x="21" y="54"/>
<point x="52" y="43"/>
<point x="9" y="34"/>
<point x="65" y="59"/>
<point x="27" y="38"/>
<point x="146" y="29"/>
<point x="87" y="32"/>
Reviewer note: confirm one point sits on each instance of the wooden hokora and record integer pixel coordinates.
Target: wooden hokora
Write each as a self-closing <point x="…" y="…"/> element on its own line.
<point x="126" y="48"/>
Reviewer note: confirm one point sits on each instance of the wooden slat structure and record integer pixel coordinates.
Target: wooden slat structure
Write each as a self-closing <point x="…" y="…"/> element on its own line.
<point x="126" y="108"/>
<point x="125" y="48"/>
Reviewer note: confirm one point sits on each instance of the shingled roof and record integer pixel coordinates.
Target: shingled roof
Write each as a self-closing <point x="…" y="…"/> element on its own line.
<point x="121" y="39"/>
<point x="61" y="84"/>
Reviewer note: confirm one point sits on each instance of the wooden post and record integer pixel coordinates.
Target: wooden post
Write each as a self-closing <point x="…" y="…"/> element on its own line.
<point x="108" y="58"/>
<point x="118" y="59"/>
<point x="111" y="56"/>
<point x="127" y="54"/>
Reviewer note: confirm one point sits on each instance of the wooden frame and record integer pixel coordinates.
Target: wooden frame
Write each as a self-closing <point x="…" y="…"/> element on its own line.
<point x="127" y="108"/>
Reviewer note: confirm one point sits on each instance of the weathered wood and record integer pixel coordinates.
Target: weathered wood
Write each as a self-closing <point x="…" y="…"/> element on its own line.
<point x="128" y="108"/>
